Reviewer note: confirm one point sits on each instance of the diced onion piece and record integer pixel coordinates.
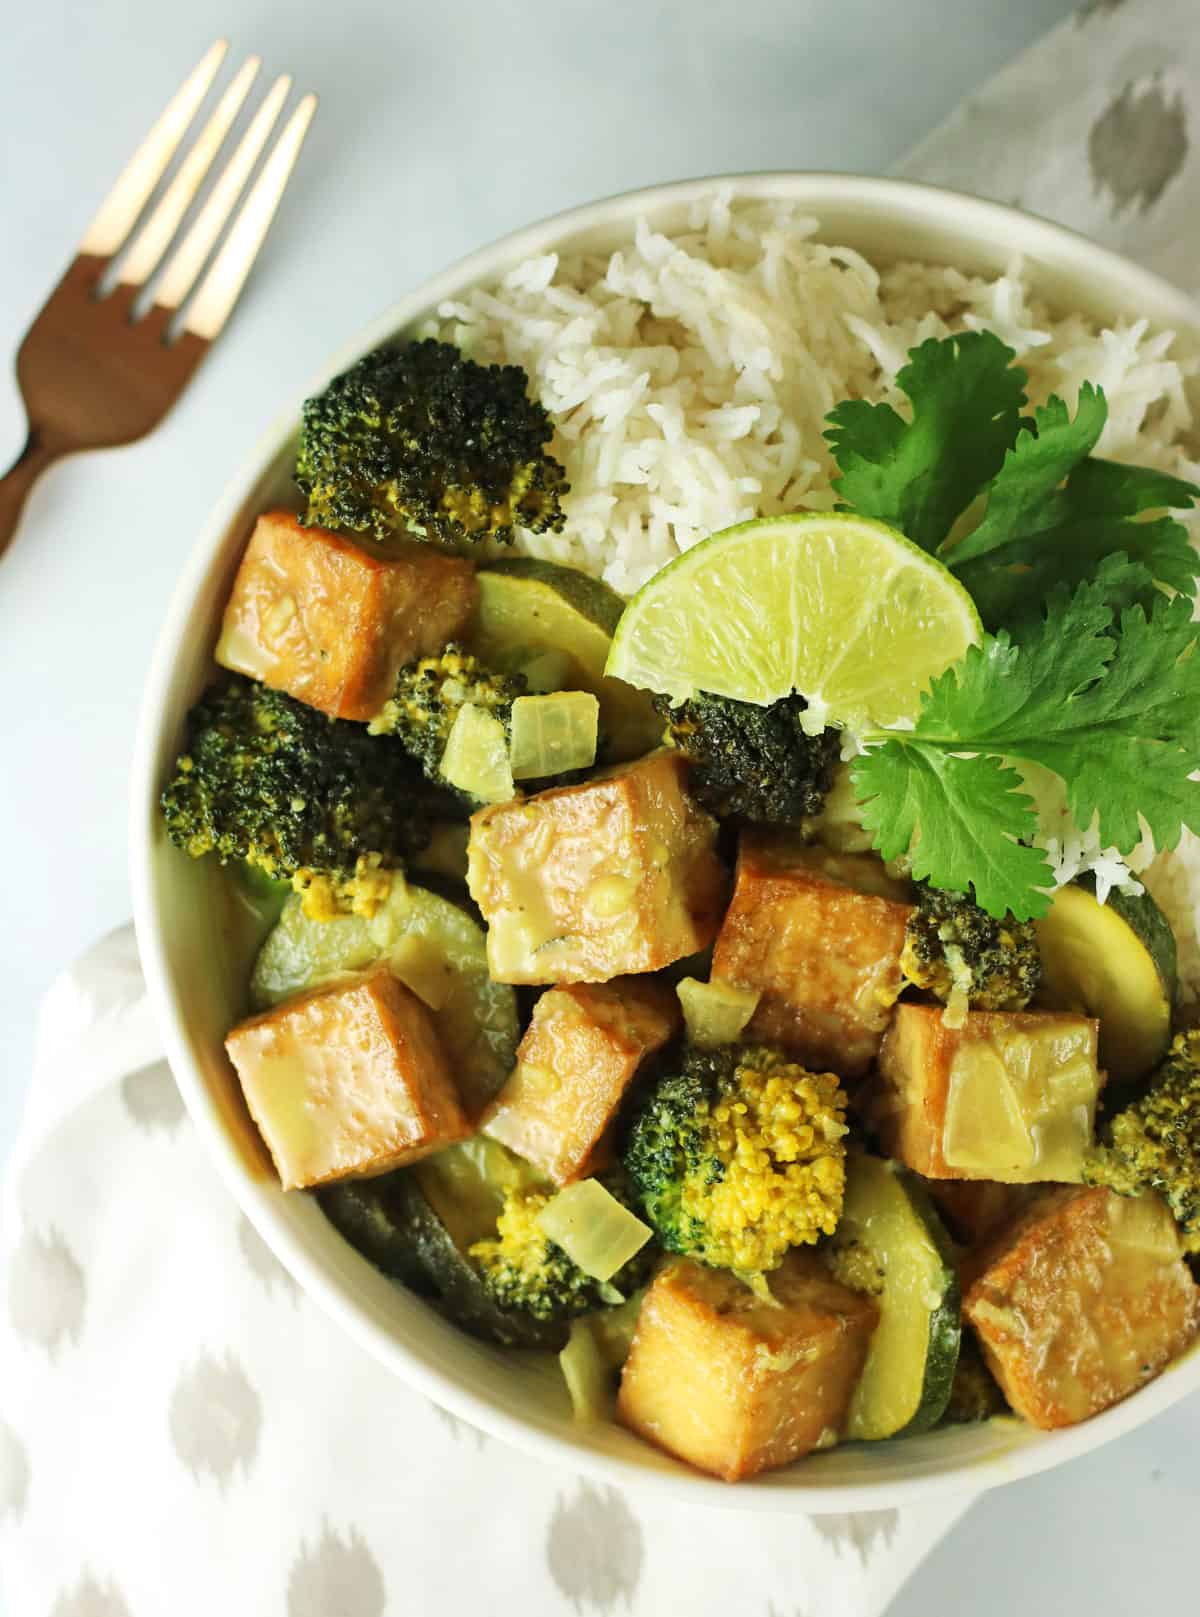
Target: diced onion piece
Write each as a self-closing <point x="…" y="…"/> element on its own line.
<point x="476" y="756"/>
<point x="421" y="966"/>
<point x="586" y="1374"/>
<point x="593" y="1228"/>
<point x="551" y="734"/>
<point x="715" y="1012"/>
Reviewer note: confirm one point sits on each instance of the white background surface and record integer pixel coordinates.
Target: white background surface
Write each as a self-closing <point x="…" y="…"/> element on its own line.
<point x="441" y="126"/>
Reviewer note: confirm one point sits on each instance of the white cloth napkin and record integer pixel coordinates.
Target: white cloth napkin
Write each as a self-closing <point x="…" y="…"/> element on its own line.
<point x="183" y="1431"/>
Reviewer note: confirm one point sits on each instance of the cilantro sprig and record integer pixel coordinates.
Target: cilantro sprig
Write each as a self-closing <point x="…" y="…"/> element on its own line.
<point x="1015" y="505"/>
<point x="1101" y="692"/>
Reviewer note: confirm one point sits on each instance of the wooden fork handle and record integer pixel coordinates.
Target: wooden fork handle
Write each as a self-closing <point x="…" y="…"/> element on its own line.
<point x="38" y="453"/>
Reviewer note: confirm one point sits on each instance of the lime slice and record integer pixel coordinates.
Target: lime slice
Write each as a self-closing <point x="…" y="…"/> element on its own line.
<point x="846" y="611"/>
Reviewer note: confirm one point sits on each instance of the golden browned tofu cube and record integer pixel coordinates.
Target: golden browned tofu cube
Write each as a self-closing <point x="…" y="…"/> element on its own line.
<point x="735" y="1385"/>
<point x="585" y="883"/>
<point x="579" y="1055"/>
<point x="1081" y="1302"/>
<point x="819" y="935"/>
<point x="347" y="1081"/>
<point x="1009" y="1095"/>
<point x="330" y="622"/>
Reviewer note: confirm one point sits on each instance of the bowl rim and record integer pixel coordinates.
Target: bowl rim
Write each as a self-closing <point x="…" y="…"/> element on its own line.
<point x="1053" y="244"/>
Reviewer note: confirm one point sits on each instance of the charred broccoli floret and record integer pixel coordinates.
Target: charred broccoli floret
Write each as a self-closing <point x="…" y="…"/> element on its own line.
<point x="304" y="798"/>
<point x="739" y="1155"/>
<point x="1154" y="1142"/>
<point x="954" y="949"/>
<point x="974" y="1394"/>
<point x="431" y="692"/>
<point x="420" y="440"/>
<point x="749" y="762"/>
<point x="523" y="1268"/>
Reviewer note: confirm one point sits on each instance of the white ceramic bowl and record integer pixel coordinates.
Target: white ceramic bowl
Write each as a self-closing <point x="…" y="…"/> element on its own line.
<point x="196" y="966"/>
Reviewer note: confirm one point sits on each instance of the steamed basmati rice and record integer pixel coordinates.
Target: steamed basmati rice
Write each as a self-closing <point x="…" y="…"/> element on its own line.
<point x="688" y="378"/>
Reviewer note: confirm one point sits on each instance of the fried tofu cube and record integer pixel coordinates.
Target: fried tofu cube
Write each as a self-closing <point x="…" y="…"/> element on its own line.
<point x="579" y="1055"/>
<point x="1081" y="1302"/>
<point x="1008" y="1095"/>
<point x="735" y="1385"/>
<point x="610" y="878"/>
<point x="819" y="936"/>
<point x="330" y="622"/>
<point x="347" y="1081"/>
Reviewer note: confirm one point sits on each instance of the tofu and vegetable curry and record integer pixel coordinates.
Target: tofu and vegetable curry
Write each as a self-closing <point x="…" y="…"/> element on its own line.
<point x="682" y="983"/>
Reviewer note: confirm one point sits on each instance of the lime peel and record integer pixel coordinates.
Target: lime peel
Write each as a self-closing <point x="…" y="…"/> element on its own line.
<point x="841" y="608"/>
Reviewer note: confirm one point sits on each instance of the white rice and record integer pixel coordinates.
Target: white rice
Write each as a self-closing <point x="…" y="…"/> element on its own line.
<point x="688" y="378"/>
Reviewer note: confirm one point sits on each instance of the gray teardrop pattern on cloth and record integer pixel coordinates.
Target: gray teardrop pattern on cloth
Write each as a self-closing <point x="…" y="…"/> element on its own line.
<point x="92" y="1599"/>
<point x="46" y="1291"/>
<point x="595" y="1549"/>
<point x="339" y="1577"/>
<point x="152" y="1098"/>
<point x="262" y="1261"/>
<point x="864" y="1532"/>
<point x="1138" y="144"/>
<point x="14" y="1474"/>
<point x="462" y="1431"/>
<point x="214" y="1418"/>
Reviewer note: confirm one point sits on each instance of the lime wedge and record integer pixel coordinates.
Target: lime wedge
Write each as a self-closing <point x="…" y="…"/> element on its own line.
<point x="846" y="611"/>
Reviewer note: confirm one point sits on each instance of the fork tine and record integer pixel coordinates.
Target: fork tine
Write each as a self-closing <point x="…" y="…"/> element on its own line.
<point x="154" y="237"/>
<point x="225" y="278"/>
<point x="115" y="217"/>
<point x="189" y="257"/>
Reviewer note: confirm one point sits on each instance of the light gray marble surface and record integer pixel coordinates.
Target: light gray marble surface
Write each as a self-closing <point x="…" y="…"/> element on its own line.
<point x="441" y="126"/>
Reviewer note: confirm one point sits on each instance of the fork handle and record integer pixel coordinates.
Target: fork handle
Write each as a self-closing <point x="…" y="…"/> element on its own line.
<point x="38" y="453"/>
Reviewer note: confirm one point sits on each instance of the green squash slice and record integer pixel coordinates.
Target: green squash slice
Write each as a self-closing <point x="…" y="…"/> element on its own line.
<point x="531" y="610"/>
<point x="891" y="1244"/>
<point x="434" y="946"/>
<point x="417" y="1225"/>
<point x="1115" y="961"/>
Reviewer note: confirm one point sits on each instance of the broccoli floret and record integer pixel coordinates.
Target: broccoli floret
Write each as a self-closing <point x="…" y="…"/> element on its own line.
<point x="739" y="1155"/>
<point x="975" y="1394"/>
<point x="1154" y="1142"/>
<point x="749" y="762"/>
<point x="429" y="696"/>
<point x="523" y="1268"/>
<point x="304" y="798"/>
<point x="954" y="949"/>
<point x="420" y="440"/>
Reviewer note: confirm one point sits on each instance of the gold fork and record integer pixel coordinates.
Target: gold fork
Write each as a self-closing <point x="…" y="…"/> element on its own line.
<point x="93" y="370"/>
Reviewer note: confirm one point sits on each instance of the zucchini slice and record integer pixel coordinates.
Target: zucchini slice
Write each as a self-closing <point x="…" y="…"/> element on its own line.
<point x="891" y="1243"/>
<point x="433" y="945"/>
<point x="416" y="1224"/>
<point x="528" y="608"/>
<point x="1115" y="961"/>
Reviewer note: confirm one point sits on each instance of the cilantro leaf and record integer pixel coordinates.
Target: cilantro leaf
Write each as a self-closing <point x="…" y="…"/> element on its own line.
<point x="1024" y="497"/>
<point x="1120" y="490"/>
<point x="918" y="476"/>
<point x="963" y="818"/>
<point x="1050" y="512"/>
<point x="1053" y="513"/>
<point x="1126" y="745"/>
<point x="1006" y="584"/>
<point x="1110" y="703"/>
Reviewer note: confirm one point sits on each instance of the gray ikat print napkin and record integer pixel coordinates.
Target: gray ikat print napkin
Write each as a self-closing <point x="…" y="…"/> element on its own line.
<point x="182" y="1431"/>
